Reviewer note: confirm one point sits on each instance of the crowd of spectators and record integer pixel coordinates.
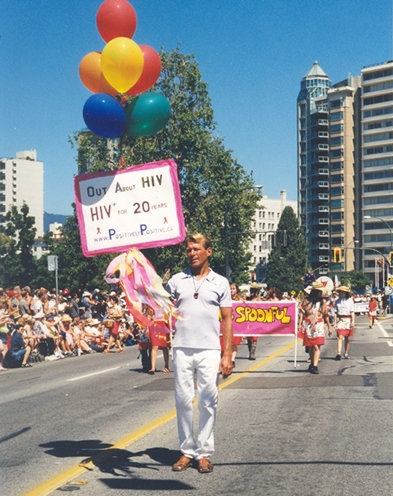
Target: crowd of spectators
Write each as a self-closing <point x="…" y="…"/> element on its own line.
<point x="36" y="326"/>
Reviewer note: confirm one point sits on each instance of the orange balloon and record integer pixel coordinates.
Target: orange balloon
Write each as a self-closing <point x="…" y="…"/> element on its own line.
<point x="91" y="74"/>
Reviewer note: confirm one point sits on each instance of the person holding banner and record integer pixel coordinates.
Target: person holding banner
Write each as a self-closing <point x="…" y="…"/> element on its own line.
<point x="236" y="339"/>
<point x="252" y="341"/>
<point x="313" y="316"/>
<point x="202" y="298"/>
<point x="344" y="319"/>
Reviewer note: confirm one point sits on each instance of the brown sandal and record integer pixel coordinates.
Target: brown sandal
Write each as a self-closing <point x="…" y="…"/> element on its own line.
<point x="204" y="466"/>
<point x="182" y="464"/>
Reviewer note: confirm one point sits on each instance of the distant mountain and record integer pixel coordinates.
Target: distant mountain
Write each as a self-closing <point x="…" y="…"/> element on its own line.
<point x="52" y="218"/>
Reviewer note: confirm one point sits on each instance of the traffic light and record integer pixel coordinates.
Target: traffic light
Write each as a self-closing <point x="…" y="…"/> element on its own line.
<point x="337" y="255"/>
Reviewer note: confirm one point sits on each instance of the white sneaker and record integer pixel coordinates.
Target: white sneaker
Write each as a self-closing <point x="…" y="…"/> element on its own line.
<point x="51" y="358"/>
<point x="346" y="355"/>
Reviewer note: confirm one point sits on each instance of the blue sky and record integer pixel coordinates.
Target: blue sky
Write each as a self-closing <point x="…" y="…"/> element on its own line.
<point x="252" y="54"/>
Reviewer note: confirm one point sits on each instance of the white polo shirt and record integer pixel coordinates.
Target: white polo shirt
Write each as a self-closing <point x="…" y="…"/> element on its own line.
<point x="199" y="325"/>
<point x="344" y="306"/>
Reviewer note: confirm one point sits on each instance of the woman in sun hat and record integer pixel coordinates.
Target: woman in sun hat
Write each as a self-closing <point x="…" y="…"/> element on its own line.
<point x="313" y="316"/>
<point x="344" y="319"/>
<point x="114" y="325"/>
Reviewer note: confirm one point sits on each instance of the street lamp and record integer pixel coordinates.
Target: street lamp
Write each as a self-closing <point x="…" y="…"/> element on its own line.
<point x="355" y="242"/>
<point x="227" y="268"/>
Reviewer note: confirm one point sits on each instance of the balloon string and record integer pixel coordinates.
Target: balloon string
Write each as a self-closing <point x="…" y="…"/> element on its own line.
<point x="122" y="162"/>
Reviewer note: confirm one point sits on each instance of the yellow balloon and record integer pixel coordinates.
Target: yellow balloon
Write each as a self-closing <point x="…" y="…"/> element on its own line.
<point x="122" y="63"/>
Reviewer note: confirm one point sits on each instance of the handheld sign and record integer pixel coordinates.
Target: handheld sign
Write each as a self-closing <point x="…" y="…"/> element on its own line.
<point x="138" y="207"/>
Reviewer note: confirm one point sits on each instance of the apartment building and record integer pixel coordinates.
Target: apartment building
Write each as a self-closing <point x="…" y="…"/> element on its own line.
<point x="329" y="165"/>
<point x="377" y="166"/>
<point x="22" y="180"/>
<point x="264" y="224"/>
<point x="313" y="165"/>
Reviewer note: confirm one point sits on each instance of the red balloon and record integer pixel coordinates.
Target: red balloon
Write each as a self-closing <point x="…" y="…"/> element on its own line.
<point x="151" y="71"/>
<point x="116" y="18"/>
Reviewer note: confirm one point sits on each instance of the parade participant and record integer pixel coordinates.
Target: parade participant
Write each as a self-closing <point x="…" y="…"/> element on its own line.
<point x="236" y="339"/>
<point x="253" y="340"/>
<point x="312" y="319"/>
<point x="344" y="319"/>
<point x="114" y="325"/>
<point x="372" y="311"/>
<point x="159" y="338"/>
<point x="201" y="296"/>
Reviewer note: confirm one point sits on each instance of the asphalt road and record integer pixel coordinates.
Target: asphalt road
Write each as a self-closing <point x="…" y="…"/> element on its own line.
<point x="95" y="425"/>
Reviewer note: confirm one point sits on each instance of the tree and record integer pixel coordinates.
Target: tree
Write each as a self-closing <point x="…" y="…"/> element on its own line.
<point x="74" y="270"/>
<point x="213" y="185"/>
<point x="18" y="264"/>
<point x="288" y="260"/>
<point x="5" y="245"/>
<point x="356" y="280"/>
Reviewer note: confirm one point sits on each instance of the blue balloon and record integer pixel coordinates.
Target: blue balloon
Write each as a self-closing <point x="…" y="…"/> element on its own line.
<point x="104" y="116"/>
<point x="147" y="114"/>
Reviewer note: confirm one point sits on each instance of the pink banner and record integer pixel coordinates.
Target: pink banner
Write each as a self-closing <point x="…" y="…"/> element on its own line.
<point x="264" y="317"/>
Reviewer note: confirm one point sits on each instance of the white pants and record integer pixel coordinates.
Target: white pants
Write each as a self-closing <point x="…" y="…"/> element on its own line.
<point x="205" y="363"/>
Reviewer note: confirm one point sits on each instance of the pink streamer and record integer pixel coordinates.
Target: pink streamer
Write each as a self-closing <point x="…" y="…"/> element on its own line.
<point x="141" y="284"/>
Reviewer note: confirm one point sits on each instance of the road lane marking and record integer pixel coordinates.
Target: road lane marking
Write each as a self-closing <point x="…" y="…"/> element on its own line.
<point x="92" y="374"/>
<point x="384" y="333"/>
<point x="51" y="485"/>
<point x="231" y="380"/>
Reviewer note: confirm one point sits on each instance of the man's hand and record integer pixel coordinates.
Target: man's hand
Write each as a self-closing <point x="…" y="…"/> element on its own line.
<point x="226" y="366"/>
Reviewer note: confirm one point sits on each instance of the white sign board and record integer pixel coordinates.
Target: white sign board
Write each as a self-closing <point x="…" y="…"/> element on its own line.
<point x="52" y="262"/>
<point x="138" y="207"/>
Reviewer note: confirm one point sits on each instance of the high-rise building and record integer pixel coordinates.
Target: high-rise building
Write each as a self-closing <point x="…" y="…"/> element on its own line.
<point x="377" y="171"/>
<point x="22" y="181"/>
<point x="343" y="101"/>
<point x="313" y="165"/>
<point x="329" y="165"/>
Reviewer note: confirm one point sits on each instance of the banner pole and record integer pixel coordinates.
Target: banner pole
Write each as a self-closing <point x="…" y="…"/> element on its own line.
<point x="295" y="358"/>
<point x="296" y="336"/>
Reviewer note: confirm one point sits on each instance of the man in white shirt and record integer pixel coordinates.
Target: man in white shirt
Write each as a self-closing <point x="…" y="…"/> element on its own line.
<point x="201" y="296"/>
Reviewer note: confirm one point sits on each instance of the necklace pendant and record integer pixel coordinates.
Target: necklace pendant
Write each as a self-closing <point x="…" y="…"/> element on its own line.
<point x="196" y="295"/>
